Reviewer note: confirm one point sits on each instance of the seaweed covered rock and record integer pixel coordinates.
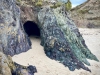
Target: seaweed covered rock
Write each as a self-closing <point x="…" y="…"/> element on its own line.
<point x="24" y="70"/>
<point x="4" y="67"/>
<point x="62" y="40"/>
<point x="8" y="67"/>
<point x="12" y="35"/>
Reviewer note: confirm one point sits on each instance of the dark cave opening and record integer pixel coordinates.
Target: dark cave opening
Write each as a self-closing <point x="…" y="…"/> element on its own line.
<point x="31" y="29"/>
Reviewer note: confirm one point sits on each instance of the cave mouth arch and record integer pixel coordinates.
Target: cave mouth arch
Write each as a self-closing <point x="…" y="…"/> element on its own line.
<point x="31" y="28"/>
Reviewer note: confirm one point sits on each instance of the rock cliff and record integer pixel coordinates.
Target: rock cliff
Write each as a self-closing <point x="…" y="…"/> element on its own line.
<point x="60" y="37"/>
<point x="12" y="36"/>
<point x="12" y="40"/>
<point x="87" y="14"/>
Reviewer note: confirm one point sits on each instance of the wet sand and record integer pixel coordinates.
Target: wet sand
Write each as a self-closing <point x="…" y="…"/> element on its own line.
<point x="46" y="66"/>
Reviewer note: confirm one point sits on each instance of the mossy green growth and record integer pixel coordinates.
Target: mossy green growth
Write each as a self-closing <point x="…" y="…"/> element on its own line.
<point x="53" y="6"/>
<point x="39" y="3"/>
<point x="68" y="5"/>
<point x="58" y="4"/>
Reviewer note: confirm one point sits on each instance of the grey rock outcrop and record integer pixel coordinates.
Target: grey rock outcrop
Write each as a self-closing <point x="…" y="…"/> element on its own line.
<point x="12" y="36"/>
<point x="12" y="40"/>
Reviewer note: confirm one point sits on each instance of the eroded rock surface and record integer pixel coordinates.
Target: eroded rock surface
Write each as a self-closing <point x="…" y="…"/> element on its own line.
<point x="62" y="40"/>
<point x="12" y="40"/>
<point x="4" y="65"/>
<point x="59" y="36"/>
<point x="12" y="36"/>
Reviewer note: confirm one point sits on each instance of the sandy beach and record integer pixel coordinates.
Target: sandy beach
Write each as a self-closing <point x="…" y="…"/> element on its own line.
<point x="46" y="66"/>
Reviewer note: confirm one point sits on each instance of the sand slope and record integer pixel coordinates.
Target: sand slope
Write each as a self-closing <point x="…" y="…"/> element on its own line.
<point x="46" y="66"/>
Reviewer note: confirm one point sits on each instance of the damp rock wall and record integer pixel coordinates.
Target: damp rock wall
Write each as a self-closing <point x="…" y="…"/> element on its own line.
<point x="12" y="36"/>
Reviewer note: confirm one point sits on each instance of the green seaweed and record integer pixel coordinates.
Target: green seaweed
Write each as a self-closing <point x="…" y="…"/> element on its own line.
<point x="81" y="51"/>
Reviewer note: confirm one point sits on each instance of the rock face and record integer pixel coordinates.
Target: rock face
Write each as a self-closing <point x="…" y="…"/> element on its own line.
<point x="62" y="40"/>
<point x="28" y="13"/>
<point x="59" y="37"/>
<point x="87" y="14"/>
<point x="12" y="37"/>
<point x="12" y="40"/>
<point x="4" y="65"/>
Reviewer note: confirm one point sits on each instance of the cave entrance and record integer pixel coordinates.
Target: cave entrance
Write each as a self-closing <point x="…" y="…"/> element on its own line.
<point x="31" y="29"/>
